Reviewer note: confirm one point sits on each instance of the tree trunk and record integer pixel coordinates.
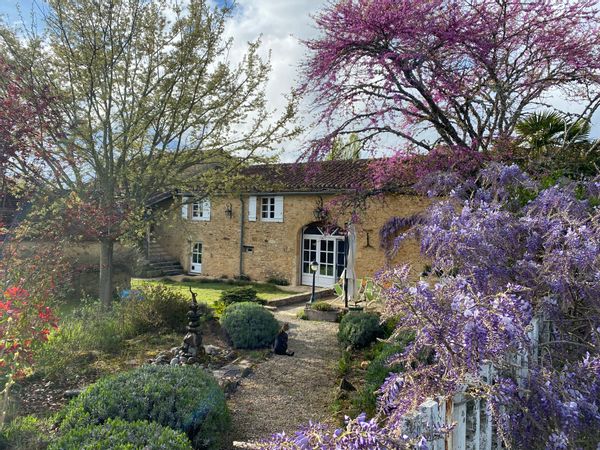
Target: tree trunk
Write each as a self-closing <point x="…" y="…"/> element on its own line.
<point x="106" y="272"/>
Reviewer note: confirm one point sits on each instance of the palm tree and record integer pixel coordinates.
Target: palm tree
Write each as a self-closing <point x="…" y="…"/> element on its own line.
<point x="542" y="131"/>
<point x="555" y="144"/>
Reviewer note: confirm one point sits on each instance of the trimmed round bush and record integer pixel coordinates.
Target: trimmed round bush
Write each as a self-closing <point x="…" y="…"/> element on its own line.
<point x="249" y="325"/>
<point x="359" y="329"/>
<point x="117" y="434"/>
<point x="183" y="398"/>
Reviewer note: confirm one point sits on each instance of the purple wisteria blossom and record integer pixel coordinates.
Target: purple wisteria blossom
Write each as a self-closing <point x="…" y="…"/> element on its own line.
<point x="509" y="257"/>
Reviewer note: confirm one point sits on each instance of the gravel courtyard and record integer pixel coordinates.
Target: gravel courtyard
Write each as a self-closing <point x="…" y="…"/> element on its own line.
<point x="285" y="392"/>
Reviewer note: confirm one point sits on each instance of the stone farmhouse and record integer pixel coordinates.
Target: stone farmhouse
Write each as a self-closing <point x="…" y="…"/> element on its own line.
<point x="276" y="230"/>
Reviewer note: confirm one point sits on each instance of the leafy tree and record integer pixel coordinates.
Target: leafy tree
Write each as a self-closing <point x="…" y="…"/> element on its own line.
<point x="444" y="71"/>
<point x="345" y="149"/>
<point x="148" y="102"/>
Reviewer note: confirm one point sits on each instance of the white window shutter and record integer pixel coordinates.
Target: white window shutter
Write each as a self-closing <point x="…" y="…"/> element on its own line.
<point x="252" y="208"/>
<point x="278" y="209"/>
<point x="206" y="209"/>
<point x="185" y="207"/>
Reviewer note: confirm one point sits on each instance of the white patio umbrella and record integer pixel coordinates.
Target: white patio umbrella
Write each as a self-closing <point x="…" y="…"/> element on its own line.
<point x="350" y="261"/>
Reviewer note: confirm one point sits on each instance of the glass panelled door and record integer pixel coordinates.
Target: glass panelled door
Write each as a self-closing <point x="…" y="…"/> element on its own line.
<point x="196" y="263"/>
<point x="325" y="251"/>
<point x="326" y="258"/>
<point x="309" y="254"/>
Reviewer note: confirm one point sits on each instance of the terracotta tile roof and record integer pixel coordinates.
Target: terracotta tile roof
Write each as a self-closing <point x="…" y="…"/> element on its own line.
<point x="321" y="176"/>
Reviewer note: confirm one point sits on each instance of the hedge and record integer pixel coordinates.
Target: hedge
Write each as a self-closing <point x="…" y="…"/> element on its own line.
<point x="184" y="398"/>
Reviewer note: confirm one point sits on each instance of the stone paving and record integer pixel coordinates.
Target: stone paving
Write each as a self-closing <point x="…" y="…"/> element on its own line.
<point x="284" y="392"/>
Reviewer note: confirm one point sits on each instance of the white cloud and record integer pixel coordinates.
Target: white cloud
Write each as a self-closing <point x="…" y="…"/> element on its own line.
<point x="282" y="25"/>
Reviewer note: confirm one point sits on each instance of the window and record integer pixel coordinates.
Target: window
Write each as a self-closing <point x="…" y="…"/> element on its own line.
<point x="201" y="210"/>
<point x="267" y="207"/>
<point x="271" y="209"/>
<point x="309" y="255"/>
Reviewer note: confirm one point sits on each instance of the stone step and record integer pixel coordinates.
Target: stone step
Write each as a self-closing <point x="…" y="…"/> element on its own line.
<point x="173" y="272"/>
<point x="166" y="264"/>
<point x="245" y="445"/>
<point x="165" y="258"/>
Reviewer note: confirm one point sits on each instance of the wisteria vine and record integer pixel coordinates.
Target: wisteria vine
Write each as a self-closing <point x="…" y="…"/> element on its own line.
<point x="507" y="252"/>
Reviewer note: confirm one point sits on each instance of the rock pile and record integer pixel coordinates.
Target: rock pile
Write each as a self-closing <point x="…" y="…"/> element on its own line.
<point x="212" y="357"/>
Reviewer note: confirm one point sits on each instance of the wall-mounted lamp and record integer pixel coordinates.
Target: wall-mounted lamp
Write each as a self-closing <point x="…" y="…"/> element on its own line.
<point x="229" y="210"/>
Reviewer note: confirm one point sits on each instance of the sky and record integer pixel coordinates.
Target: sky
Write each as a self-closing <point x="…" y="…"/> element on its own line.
<point x="281" y="24"/>
<point x="10" y="9"/>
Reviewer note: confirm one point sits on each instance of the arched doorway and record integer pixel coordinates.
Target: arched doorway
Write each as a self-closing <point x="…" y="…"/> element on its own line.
<point x="328" y="248"/>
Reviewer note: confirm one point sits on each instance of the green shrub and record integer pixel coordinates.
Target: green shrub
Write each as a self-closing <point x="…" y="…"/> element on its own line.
<point x="378" y="370"/>
<point x="302" y="315"/>
<point x="322" y="306"/>
<point x="389" y="326"/>
<point x="344" y="364"/>
<point x="278" y="281"/>
<point x="359" y="329"/>
<point x="239" y="295"/>
<point x="249" y="325"/>
<point x="87" y="330"/>
<point x="117" y="434"/>
<point x="183" y="398"/>
<point x="26" y="433"/>
<point x="156" y="307"/>
<point x="236" y="295"/>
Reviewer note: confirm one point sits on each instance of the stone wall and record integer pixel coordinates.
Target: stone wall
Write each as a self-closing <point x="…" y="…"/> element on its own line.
<point x="272" y="249"/>
<point x="84" y="261"/>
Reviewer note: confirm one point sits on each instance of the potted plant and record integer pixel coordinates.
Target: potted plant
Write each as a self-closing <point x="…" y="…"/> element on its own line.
<point x="322" y="311"/>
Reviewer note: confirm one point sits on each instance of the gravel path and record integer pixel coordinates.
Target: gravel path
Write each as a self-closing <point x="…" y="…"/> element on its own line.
<point x="285" y="392"/>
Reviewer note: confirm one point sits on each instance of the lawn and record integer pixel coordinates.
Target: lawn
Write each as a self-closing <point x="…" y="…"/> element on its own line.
<point x="210" y="291"/>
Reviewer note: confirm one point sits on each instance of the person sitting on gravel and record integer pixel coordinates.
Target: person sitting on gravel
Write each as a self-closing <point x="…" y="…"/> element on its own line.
<point x="281" y="341"/>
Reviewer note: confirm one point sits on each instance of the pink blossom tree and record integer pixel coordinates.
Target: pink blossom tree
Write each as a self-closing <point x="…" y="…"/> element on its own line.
<point x="461" y="73"/>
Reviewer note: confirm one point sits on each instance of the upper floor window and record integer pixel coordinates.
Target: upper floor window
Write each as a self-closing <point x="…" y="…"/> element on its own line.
<point x="267" y="208"/>
<point x="199" y="210"/>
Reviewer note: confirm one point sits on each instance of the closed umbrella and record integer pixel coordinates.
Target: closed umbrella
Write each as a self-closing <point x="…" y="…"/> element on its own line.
<point x="350" y="261"/>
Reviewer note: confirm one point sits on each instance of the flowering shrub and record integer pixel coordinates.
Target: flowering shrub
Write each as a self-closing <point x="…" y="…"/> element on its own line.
<point x="509" y="254"/>
<point x="509" y="251"/>
<point x="30" y="284"/>
<point x="24" y="322"/>
<point x="359" y="433"/>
